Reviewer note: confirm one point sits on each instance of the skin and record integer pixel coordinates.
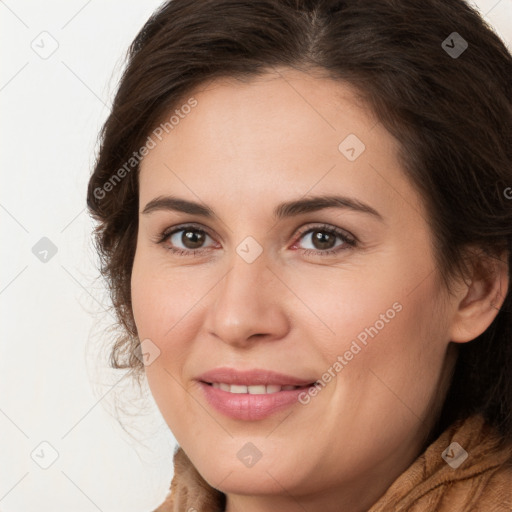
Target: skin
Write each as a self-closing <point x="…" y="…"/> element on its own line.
<point x="245" y="148"/>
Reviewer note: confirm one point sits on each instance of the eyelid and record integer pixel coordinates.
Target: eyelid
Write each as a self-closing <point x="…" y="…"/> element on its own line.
<point x="348" y="238"/>
<point x="166" y="233"/>
<point x="322" y="226"/>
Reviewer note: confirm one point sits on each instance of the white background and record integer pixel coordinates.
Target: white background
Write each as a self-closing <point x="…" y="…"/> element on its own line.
<point x="55" y="386"/>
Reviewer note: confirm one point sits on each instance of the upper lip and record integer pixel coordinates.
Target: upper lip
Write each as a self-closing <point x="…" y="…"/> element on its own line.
<point x="252" y="377"/>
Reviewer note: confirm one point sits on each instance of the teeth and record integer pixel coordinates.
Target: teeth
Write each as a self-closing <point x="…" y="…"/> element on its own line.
<point x="259" y="389"/>
<point x="234" y="388"/>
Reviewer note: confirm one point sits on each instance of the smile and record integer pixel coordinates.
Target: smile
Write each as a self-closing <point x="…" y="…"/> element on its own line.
<point x="256" y="389"/>
<point x="250" y="403"/>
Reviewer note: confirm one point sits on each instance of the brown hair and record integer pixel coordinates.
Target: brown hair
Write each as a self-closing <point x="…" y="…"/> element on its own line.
<point x="451" y="113"/>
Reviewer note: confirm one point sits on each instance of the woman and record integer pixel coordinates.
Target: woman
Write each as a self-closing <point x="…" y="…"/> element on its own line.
<point x="305" y="220"/>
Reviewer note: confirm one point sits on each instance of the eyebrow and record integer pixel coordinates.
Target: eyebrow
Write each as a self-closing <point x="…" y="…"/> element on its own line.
<point x="283" y="210"/>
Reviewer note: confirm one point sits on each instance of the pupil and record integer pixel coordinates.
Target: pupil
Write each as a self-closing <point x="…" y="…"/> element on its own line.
<point x="192" y="239"/>
<point x="323" y="240"/>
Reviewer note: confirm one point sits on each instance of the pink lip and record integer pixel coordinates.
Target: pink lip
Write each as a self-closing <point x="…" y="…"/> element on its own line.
<point x="245" y="406"/>
<point x="254" y="377"/>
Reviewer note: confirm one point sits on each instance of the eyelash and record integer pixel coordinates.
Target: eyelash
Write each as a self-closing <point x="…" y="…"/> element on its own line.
<point x="348" y="240"/>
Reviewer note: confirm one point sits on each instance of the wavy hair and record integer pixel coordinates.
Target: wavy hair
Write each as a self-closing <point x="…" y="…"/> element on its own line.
<point x="451" y="115"/>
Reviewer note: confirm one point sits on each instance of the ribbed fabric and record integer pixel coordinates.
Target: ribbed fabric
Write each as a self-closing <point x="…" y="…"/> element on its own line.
<point x="482" y="483"/>
<point x="189" y="491"/>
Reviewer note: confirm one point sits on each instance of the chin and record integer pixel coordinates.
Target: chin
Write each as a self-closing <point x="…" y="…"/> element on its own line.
<point x="248" y="482"/>
<point x="227" y="473"/>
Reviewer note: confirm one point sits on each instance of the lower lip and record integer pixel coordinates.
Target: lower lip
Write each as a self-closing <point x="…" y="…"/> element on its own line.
<point x="244" y="406"/>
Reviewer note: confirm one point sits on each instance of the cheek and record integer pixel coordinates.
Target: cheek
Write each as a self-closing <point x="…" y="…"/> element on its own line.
<point x="161" y="296"/>
<point x="393" y="358"/>
<point x="160" y="311"/>
<point x="386" y="322"/>
<point x="346" y="305"/>
<point x="167" y="305"/>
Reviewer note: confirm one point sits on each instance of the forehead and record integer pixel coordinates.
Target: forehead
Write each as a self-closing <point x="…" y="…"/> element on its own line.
<point x="283" y="132"/>
<point x="274" y="109"/>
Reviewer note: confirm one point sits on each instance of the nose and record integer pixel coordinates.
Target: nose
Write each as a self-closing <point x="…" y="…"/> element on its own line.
<point x="248" y="304"/>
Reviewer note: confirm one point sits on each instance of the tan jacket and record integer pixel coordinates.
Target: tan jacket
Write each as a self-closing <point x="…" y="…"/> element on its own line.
<point x="482" y="482"/>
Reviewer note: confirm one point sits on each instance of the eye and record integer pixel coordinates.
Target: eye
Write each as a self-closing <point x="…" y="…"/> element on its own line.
<point x="325" y="240"/>
<point x="185" y="240"/>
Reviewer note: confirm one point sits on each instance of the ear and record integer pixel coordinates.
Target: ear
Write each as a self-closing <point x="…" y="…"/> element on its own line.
<point x="481" y="298"/>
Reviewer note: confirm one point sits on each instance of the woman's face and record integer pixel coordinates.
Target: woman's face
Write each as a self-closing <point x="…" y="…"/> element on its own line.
<point x="299" y="253"/>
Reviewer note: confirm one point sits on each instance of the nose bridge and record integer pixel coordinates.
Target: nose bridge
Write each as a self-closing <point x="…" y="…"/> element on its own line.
<point x="244" y="301"/>
<point x="241" y="289"/>
<point x="248" y="267"/>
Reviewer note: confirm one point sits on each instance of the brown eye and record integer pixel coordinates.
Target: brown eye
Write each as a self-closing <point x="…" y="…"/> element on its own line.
<point x="186" y="238"/>
<point x="324" y="240"/>
<point x="192" y="239"/>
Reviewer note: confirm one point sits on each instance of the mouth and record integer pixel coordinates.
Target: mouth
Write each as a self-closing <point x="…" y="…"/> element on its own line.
<point x="255" y="379"/>
<point x="254" y="389"/>
<point x="251" y="395"/>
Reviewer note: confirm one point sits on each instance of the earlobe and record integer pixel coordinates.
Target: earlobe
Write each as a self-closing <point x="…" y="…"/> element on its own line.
<point x="482" y="301"/>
